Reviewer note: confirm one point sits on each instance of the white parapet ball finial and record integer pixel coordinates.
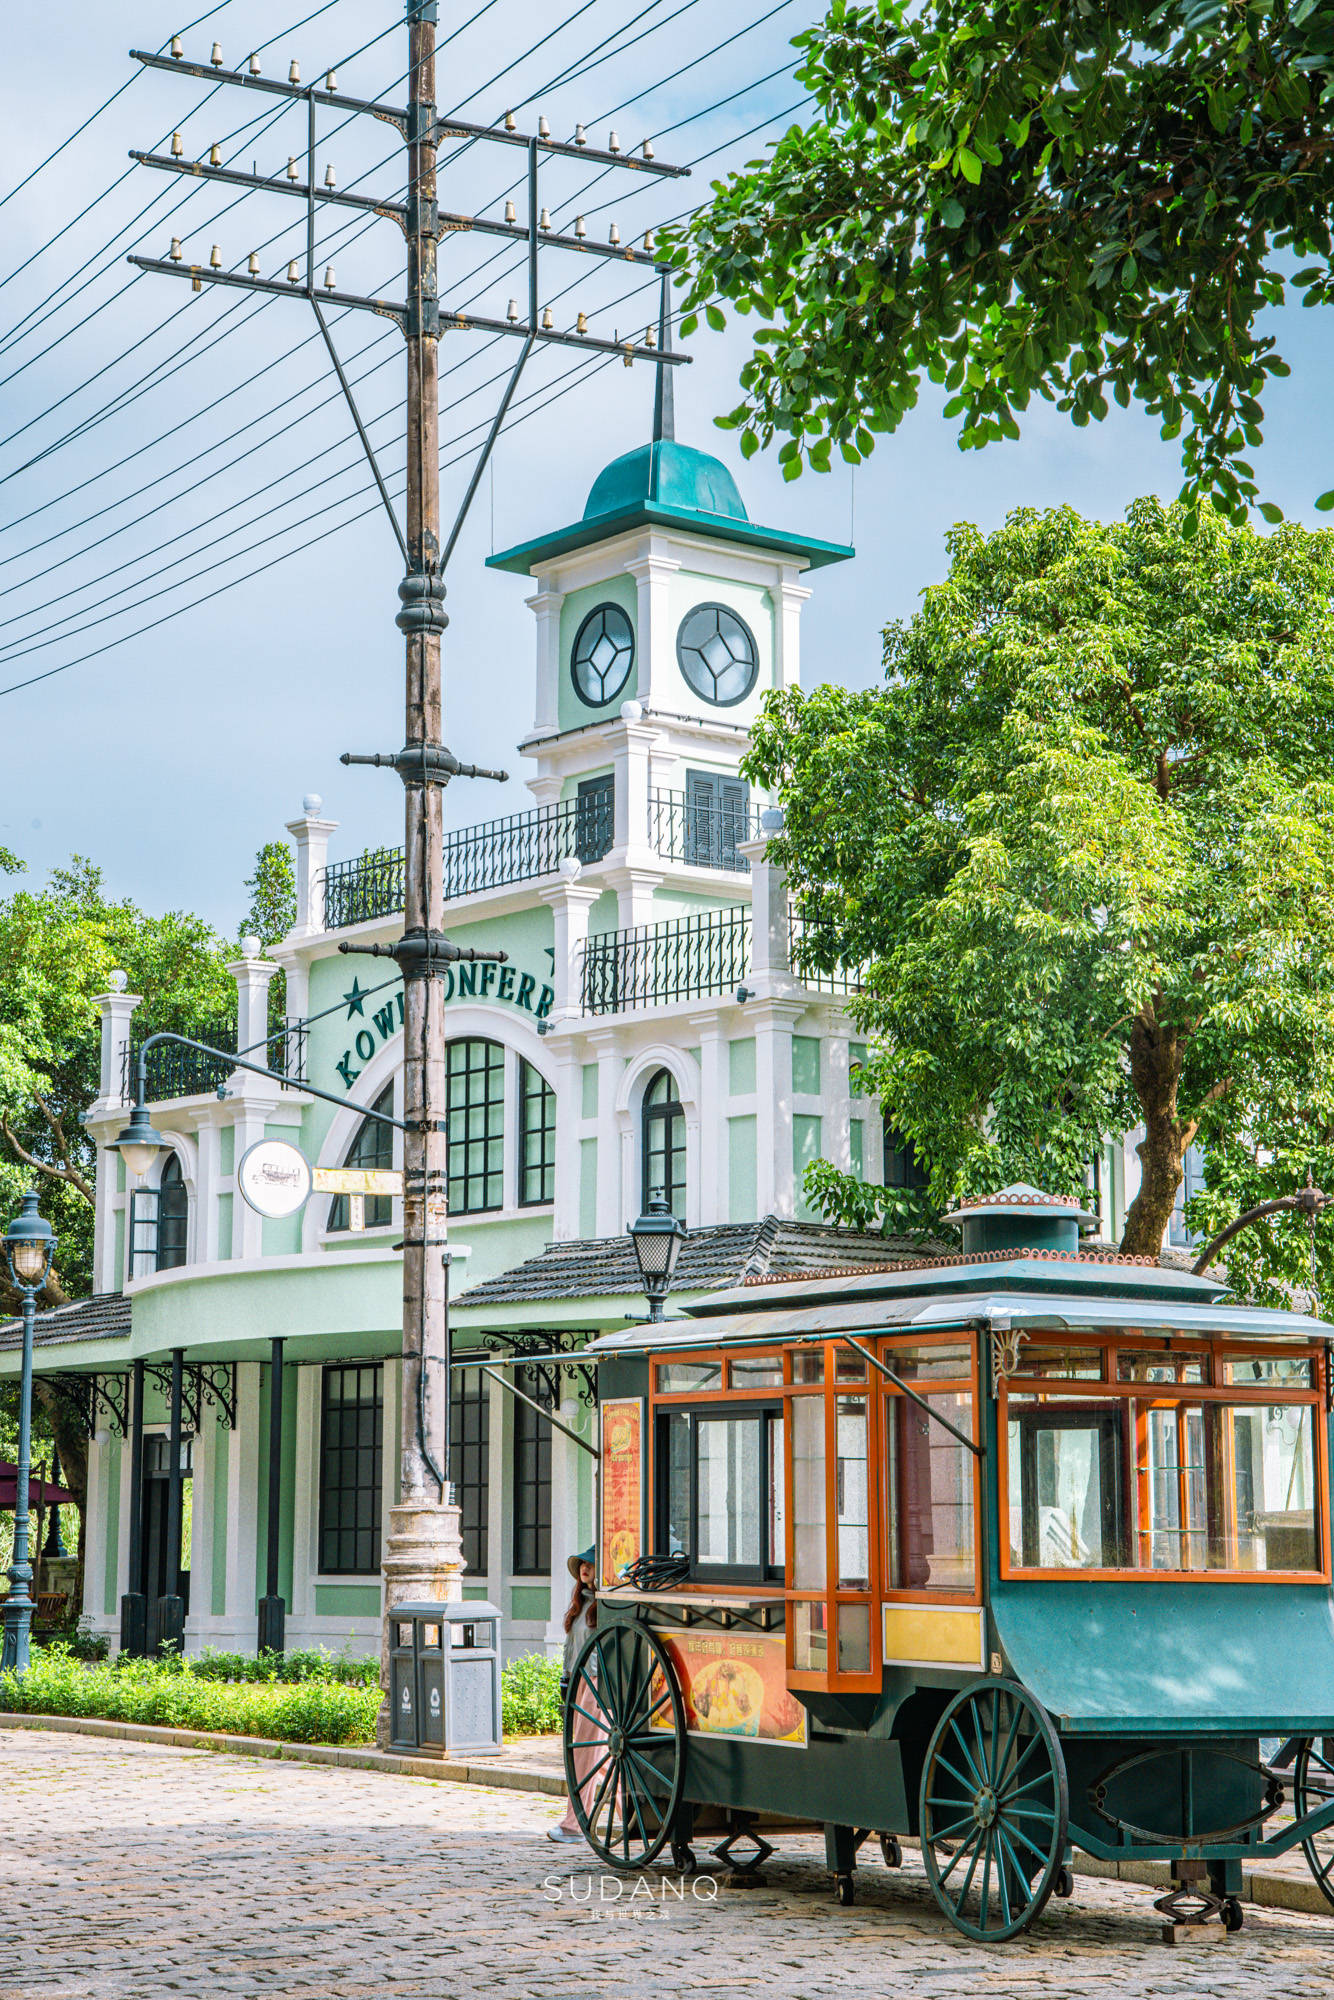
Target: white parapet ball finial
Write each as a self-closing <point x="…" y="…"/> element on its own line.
<point x="570" y="868"/>
<point x="250" y="946"/>
<point x="118" y="981"/>
<point x="632" y="711"/>
<point x="311" y="805"/>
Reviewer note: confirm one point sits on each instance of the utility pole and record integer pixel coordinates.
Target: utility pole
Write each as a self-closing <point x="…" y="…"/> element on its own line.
<point x="423" y="1552"/>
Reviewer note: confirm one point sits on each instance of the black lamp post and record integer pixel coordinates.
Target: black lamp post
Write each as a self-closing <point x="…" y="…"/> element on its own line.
<point x="30" y="1245"/>
<point x="657" y="1237"/>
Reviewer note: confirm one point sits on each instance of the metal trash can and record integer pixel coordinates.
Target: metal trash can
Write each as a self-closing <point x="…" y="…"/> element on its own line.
<point x="444" y="1678"/>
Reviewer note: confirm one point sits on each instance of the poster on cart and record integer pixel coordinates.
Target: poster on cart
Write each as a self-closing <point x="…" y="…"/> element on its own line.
<point x="622" y="1486"/>
<point x="733" y="1684"/>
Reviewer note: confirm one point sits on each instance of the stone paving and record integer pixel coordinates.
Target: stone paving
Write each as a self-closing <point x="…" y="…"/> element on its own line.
<point x="128" y="1871"/>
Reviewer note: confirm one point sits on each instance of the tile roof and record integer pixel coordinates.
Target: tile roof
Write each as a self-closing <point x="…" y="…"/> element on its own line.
<point x="106" y="1316"/>
<point x="712" y="1258"/>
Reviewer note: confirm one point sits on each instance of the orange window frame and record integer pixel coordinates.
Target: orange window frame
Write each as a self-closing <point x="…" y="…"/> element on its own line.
<point x="968" y="1385"/>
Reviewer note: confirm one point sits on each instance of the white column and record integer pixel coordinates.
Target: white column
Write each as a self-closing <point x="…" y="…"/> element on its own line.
<point x="787" y="597"/>
<point x="253" y="974"/>
<point x="775" y="1183"/>
<point x="115" y="1007"/>
<point x="305" y="1509"/>
<point x="614" y="1205"/>
<point x="565" y="1540"/>
<point x="569" y="1158"/>
<point x="713" y="1091"/>
<point x="545" y="605"/>
<point x="208" y="1161"/>
<point x="656" y="650"/>
<point x="310" y="835"/>
<point x="836" y="1133"/>
<point x="243" y="1497"/>
<point x="570" y="901"/>
<point x="770" y="946"/>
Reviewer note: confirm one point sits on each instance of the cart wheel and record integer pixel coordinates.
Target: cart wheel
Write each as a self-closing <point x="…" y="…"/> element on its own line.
<point x="890" y="1850"/>
<point x="994" y="1782"/>
<point x="626" y="1705"/>
<point x="1312" y="1788"/>
<point x="1064" y="1885"/>
<point x="845" y="1891"/>
<point x="1232" y="1916"/>
<point x="683" y="1860"/>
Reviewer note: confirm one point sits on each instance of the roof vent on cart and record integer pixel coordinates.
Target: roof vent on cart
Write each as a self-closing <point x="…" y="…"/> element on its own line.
<point x="1022" y="1218"/>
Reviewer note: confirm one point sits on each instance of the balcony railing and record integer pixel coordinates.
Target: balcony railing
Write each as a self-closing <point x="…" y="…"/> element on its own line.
<point x="174" y="1071"/>
<point x="801" y="939"/>
<point x="654" y="964"/>
<point x="701" y="834"/>
<point x="517" y="849"/>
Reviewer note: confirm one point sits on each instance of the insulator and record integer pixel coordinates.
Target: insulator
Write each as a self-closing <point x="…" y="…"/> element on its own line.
<point x="614" y="236"/>
<point x="629" y="357"/>
<point x="581" y="324"/>
<point x="254" y="65"/>
<point x="216" y="57"/>
<point x="544" y="220"/>
<point x="511" y="213"/>
<point x="329" y="279"/>
<point x="648" y="149"/>
<point x="330" y="177"/>
<point x="291" y="170"/>
<point x="613" y="143"/>
<point x="579" y="229"/>
<point x="175" y="249"/>
<point x="215" y="156"/>
<point x="547" y="321"/>
<point x="331" y="80"/>
<point x="648" y="241"/>
<point x="580" y="136"/>
<point x="509" y="121"/>
<point x="650" y="337"/>
<point x="543" y="129"/>
<point x="512" y="311"/>
<point x="253" y="266"/>
<point x="177" y="47"/>
<point x="293" y="275"/>
<point x="215" y="258"/>
<point x="294" y="73"/>
<point x="177" y="148"/>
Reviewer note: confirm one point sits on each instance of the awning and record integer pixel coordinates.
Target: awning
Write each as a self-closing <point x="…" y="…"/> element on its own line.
<point x="41" y="1493"/>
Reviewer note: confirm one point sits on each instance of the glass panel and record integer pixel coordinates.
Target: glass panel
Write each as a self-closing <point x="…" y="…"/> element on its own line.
<point x="728" y="1491"/>
<point x="931" y="1496"/>
<point x="940" y="1362"/>
<point x="1064" y="1486"/>
<point x="676" y="1376"/>
<point x="777" y="1495"/>
<point x="1268" y="1371"/>
<point x="1173" y="1528"/>
<point x="808" y="1495"/>
<point x="808" y="1365"/>
<point x="1268" y="1459"/>
<point x="854" y="1555"/>
<point x="676" y="1426"/>
<point x="1082" y="1364"/>
<point x="1159" y="1368"/>
<point x="810" y="1638"/>
<point x="854" y="1638"/>
<point x="759" y="1371"/>
<point x="849" y="1366"/>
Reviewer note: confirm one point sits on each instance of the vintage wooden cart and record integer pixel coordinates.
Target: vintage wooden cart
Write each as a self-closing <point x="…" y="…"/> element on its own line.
<point x="1016" y="1551"/>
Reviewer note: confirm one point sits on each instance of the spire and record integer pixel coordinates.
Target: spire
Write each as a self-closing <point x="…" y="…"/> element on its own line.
<point x="664" y="412"/>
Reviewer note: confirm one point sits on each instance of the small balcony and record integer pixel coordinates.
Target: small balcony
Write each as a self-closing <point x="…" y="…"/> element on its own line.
<point x="174" y="1071"/>
<point x="702" y="833"/>
<point x="654" y="964"/>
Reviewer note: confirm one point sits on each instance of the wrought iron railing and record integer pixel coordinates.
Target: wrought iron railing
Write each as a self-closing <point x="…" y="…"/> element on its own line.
<point x="516" y="849"/>
<point x="175" y="1071"/>
<point x="657" y="963"/>
<point x="703" y="835"/>
<point x="803" y="955"/>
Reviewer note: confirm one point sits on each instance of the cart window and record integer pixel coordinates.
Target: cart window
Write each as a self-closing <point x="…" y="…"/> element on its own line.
<point x="674" y="1453"/>
<point x="1065" y="1485"/>
<point x="930" y="1484"/>
<point x="808" y="1365"/>
<point x="719" y="1486"/>
<point x="810" y="1638"/>
<point x="728" y="1484"/>
<point x="1269" y="1371"/>
<point x="854" y="1555"/>
<point x="1077" y="1364"/>
<point x="756" y="1371"/>
<point x="1227" y="1487"/>
<point x="1159" y="1368"/>
<point x="938" y="1361"/>
<point x="678" y="1377"/>
<point x="808" y="1495"/>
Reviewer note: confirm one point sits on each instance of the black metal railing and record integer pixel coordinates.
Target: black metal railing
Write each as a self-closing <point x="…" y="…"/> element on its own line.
<point x="703" y="834"/>
<point x="656" y="963"/>
<point x="517" y="849"/>
<point x="175" y="1071"/>
<point x="805" y="953"/>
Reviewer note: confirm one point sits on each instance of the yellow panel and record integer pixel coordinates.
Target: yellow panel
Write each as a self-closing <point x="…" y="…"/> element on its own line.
<point x="934" y="1633"/>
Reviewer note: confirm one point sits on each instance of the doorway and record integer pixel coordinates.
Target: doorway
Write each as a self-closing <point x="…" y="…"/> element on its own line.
<point x="157" y="1485"/>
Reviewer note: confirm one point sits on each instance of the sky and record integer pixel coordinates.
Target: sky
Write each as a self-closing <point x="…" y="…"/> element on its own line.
<point x="156" y="446"/>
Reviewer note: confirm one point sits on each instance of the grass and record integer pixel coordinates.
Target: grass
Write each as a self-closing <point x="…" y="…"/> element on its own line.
<point x="307" y="1697"/>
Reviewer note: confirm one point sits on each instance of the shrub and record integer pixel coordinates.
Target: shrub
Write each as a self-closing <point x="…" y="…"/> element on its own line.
<point x="312" y="1664"/>
<point x="530" y="1695"/>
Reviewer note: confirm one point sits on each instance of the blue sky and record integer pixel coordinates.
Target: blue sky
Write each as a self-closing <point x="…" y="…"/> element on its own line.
<point x="170" y="758"/>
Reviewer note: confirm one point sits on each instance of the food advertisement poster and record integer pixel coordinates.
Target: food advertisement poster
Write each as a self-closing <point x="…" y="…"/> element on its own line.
<point x="622" y="1485"/>
<point x="734" y="1684"/>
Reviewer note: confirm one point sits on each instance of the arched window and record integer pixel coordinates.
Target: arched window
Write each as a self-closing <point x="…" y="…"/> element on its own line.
<point x="475" y="1109"/>
<point x="664" y="1134"/>
<point x="372" y="1147"/>
<point x="173" y="1215"/>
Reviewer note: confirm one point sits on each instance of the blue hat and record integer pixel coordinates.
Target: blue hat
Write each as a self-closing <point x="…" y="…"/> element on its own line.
<point x="572" y="1563"/>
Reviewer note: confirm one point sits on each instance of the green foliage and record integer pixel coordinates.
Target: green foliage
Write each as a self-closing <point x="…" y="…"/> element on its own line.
<point x="530" y="1695"/>
<point x="272" y="888"/>
<point x="79" y="1638"/>
<point x="1082" y="841"/>
<point x="311" y="1664"/>
<point x="1019" y="197"/>
<point x="176" y="1696"/>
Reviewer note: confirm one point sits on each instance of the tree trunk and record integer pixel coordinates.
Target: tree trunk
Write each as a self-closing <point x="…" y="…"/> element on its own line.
<point x="1155" y="1071"/>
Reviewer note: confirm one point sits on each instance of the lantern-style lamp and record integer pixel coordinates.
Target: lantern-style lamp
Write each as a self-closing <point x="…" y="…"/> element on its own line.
<point x="30" y="1244"/>
<point x="140" y="1143"/>
<point x="657" y="1237"/>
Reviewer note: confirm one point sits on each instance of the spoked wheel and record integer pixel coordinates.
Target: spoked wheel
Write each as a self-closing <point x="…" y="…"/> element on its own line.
<point x="994" y="1811"/>
<point x="624" y="1745"/>
<point x="1312" y="1788"/>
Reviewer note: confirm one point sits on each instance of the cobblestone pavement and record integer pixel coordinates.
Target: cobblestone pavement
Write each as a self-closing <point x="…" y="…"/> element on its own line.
<point x="128" y="1872"/>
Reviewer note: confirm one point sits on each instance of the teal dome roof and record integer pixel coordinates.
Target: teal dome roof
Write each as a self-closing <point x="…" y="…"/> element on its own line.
<point x="666" y="474"/>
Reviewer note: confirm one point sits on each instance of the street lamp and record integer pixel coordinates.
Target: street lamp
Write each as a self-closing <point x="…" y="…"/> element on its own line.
<point x="140" y="1143"/>
<point x="657" y="1237"/>
<point x="30" y="1245"/>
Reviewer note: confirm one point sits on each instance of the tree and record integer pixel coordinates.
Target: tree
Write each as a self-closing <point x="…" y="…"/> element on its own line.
<point x="272" y="888"/>
<point x="1082" y="841"/>
<point x="1031" y="196"/>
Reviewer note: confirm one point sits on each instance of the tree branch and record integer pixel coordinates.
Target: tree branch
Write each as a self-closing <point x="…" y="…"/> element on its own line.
<point x="67" y="1173"/>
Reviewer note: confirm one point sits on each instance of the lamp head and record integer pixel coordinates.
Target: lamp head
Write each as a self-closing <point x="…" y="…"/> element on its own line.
<point x="657" y="1237"/>
<point x="140" y="1143"/>
<point x="30" y="1244"/>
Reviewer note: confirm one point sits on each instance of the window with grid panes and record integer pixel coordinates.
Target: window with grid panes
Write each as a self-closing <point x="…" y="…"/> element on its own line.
<point x="351" y="1469"/>
<point x="469" y="1452"/>
<point x="537" y="1137"/>
<point x="664" y="1144"/>
<point x="372" y="1147"/>
<point x="476" y="1114"/>
<point x="532" y="1480"/>
<point x="173" y="1216"/>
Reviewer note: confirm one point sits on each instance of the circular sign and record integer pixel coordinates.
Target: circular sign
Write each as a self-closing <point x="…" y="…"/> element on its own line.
<point x="274" y="1178"/>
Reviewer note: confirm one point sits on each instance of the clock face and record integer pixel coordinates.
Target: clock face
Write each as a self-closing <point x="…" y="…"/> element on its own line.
<point x="717" y="654"/>
<point x="604" y="652"/>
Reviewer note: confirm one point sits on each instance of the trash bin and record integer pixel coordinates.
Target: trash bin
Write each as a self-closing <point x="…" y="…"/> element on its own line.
<point x="444" y="1677"/>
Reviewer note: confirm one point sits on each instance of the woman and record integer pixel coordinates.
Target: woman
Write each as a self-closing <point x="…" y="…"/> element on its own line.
<point x="580" y="1618"/>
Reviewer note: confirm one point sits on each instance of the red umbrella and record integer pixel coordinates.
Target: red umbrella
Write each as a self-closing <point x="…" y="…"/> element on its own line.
<point x="41" y="1493"/>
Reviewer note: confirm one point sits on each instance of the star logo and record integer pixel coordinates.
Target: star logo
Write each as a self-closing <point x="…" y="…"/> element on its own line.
<point x="356" y="1000"/>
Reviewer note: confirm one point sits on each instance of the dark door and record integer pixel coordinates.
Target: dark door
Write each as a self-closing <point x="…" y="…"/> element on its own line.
<point x="594" y="817"/>
<point x="1071" y="1487"/>
<point x="717" y="816"/>
<point x="157" y="1451"/>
